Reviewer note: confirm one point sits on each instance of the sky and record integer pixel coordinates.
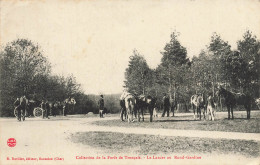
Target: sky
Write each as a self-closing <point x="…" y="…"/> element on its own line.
<point x="93" y="39"/>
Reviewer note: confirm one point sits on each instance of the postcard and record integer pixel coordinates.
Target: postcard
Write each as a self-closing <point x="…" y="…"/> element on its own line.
<point x="129" y="82"/>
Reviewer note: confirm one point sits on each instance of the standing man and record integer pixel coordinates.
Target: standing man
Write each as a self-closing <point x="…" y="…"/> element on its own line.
<point x="47" y="112"/>
<point x="46" y="109"/>
<point x="65" y="108"/>
<point x="123" y="109"/>
<point x="210" y="106"/>
<point x="166" y="105"/>
<point x="43" y="107"/>
<point x="101" y="106"/>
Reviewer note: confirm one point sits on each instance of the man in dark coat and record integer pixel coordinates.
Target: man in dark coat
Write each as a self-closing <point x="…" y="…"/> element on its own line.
<point x="46" y="109"/>
<point x="123" y="109"/>
<point x="166" y="105"/>
<point x="101" y="106"/>
<point x="65" y="108"/>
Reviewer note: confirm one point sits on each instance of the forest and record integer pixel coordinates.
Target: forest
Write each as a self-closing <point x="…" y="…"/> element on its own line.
<point x="25" y="70"/>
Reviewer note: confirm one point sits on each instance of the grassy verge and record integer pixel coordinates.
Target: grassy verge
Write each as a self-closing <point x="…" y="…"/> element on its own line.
<point x="154" y="145"/>
<point x="239" y="124"/>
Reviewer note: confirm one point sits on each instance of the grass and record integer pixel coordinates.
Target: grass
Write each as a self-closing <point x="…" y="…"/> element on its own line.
<point x="155" y="145"/>
<point x="221" y="123"/>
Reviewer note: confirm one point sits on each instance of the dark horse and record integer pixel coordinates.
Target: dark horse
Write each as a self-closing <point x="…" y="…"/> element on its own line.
<point x="232" y="99"/>
<point x="145" y="102"/>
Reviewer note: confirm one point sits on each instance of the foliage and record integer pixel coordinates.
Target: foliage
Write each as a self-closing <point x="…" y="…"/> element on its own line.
<point x="138" y="74"/>
<point x="237" y="70"/>
<point x="174" y="66"/>
<point x="249" y="48"/>
<point x="24" y="70"/>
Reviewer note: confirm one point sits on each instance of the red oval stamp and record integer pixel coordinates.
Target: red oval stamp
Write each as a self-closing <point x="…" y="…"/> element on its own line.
<point x="11" y="142"/>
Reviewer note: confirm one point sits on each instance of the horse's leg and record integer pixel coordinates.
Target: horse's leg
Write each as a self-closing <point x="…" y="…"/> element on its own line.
<point x="122" y="114"/>
<point x="194" y="112"/>
<point x="133" y="114"/>
<point x="23" y="114"/>
<point x="138" y="113"/>
<point x="142" y="113"/>
<point x="207" y="113"/>
<point x="228" y="108"/>
<point x="204" y="113"/>
<point x="151" y="114"/>
<point x="211" y="113"/>
<point x="173" y="110"/>
<point x="19" y="114"/>
<point x="232" y="112"/>
<point x="128" y="114"/>
<point x="200" y="112"/>
<point x="248" y="109"/>
<point x="125" y="113"/>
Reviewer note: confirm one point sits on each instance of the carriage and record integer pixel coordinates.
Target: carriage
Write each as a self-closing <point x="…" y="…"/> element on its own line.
<point x="34" y="107"/>
<point x="31" y="104"/>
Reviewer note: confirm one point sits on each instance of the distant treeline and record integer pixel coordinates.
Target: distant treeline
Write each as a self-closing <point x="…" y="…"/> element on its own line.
<point x="88" y="103"/>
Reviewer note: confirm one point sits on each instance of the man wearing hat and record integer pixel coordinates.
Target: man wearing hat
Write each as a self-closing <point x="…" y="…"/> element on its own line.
<point x="101" y="106"/>
<point x="166" y="105"/>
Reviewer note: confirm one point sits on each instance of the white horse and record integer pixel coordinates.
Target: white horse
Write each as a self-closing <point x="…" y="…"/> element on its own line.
<point x="197" y="103"/>
<point x="130" y="103"/>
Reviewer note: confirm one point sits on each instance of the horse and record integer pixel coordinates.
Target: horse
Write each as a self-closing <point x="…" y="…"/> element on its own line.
<point x="21" y="105"/>
<point x="55" y="107"/>
<point x="130" y="104"/>
<point x="32" y="104"/>
<point x="232" y="99"/>
<point x="143" y="103"/>
<point x="141" y="106"/>
<point x="67" y="103"/>
<point x="151" y="105"/>
<point x="197" y="102"/>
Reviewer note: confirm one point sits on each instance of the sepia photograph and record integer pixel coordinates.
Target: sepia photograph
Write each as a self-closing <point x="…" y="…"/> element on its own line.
<point x="129" y="82"/>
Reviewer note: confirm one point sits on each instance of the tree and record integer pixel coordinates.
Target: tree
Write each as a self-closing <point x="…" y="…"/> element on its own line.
<point x="138" y="74"/>
<point x="173" y="61"/>
<point x="249" y="54"/>
<point x="220" y="49"/>
<point x="21" y="62"/>
<point x="203" y="69"/>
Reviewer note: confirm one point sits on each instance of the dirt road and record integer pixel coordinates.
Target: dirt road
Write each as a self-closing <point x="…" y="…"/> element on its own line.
<point x="38" y="138"/>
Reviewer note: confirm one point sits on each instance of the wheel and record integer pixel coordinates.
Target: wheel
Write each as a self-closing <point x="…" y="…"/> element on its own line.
<point x="15" y="112"/>
<point x="37" y="112"/>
